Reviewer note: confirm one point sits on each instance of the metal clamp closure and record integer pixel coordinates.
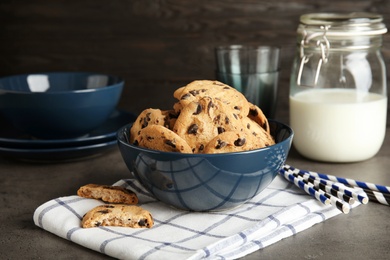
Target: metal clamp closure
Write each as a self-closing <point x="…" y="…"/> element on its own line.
<point x="322" y="43"/>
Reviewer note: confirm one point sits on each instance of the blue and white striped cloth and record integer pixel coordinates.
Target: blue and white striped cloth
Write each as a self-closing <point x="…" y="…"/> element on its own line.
<point x="280" y="211"/>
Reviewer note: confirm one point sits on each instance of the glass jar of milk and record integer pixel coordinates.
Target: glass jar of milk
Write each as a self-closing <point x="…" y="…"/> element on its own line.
<point x="338" y="91"/>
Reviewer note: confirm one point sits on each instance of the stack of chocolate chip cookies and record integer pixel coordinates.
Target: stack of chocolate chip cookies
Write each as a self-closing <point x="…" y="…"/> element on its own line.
<point x="208" y="117"/>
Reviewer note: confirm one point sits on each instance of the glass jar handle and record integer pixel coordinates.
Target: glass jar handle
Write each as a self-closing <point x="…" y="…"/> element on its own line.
<point x="324" y="46"/>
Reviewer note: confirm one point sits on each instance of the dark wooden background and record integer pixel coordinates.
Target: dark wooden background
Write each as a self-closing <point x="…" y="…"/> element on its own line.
<point x="155" y="45"/>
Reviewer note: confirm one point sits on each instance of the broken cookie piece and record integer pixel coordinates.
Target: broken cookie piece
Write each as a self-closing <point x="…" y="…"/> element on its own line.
<point x="119" y="215"/>
<point x="110" y="194"/>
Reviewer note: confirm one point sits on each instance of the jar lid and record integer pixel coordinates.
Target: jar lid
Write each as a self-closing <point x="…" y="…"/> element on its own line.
<point x="343" y="24"/>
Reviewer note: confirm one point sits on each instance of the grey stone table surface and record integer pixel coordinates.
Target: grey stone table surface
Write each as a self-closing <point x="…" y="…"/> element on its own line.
<point x="361" y="234"/>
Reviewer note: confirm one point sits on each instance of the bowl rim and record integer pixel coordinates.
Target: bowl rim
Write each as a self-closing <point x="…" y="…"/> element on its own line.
<point x="186" y="155"/>
<point x="118" y="84"/>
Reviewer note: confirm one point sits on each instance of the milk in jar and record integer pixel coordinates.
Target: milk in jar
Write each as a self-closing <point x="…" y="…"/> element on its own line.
<point x="338" y="125"/>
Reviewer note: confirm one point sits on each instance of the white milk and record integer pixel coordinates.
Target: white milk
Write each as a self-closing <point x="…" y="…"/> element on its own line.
<point x="338" y="125"/>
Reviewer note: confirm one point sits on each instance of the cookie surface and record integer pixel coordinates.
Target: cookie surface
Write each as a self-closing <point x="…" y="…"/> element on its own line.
<point x="203" y="119"/>
<point x="117" y="215"/>
<point x="160" y="138"/>
<point x="211" y="88"/>
<point x="262" y="137"/>
<point x="111" y="194"/>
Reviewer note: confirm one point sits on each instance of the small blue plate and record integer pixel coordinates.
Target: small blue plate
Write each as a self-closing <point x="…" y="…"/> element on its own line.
<point x="11" y="137"/>
<point x="53" y="155"/>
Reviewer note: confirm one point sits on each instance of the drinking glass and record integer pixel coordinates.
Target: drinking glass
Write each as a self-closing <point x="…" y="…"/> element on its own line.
<point x="253" y="70"/>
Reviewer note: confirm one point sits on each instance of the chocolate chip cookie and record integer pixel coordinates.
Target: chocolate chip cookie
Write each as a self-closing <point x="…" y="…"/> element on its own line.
<point x="118" y="215"/>
<point x="106" y="193"/>
<point x="151" y="116"/>
<point x="208" y="88"/>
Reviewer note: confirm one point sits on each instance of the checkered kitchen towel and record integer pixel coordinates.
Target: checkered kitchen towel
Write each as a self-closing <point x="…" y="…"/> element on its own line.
<point x="280" y="211"/>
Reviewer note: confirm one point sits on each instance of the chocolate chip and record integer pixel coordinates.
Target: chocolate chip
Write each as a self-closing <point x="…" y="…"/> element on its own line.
<point x="142" y="222"/>
<point x="220" y="129"/>
<point x="235" y="116"/>
<point x="248" y="126"/>
<point x="227" y="120"/>
<point x="210" y="106"/>
<point x="170" y="143"/>
<point x="198" y="110"/>
<point x="103" y="211"/>
<point x="194" y="92"/>
<point x="149" y="138"/>
<point x="253" y="112"/>
<point x="237" y="108"/>
<point x="185" y="96"/>
<point x="220" y="144"/>
<point x="97" y="224"/>
<point x="193" y="129"/>
<point x="146" y="120"/>
<point x="217" y="119"/>
<point x="239" y="142"/>
<point x="201" y="147"/>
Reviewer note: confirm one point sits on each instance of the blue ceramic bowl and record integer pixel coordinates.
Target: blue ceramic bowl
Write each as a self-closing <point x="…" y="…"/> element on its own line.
<point x="59" y="104"/>
<point x="206" y="182"/>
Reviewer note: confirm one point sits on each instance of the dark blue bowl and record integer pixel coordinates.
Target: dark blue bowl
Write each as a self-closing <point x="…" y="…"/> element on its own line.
<point x="59" y="104"/>
<point x="206" y="182"/>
